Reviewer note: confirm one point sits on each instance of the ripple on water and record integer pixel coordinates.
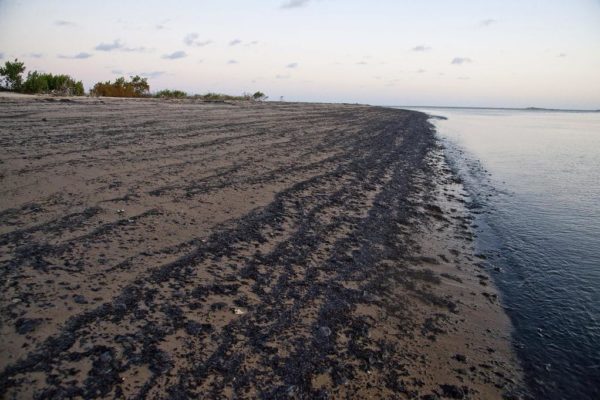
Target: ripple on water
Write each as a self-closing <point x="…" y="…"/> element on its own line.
<point x="534" y="179"/>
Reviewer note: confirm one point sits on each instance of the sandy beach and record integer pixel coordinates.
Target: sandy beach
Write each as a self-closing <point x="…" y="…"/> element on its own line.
<point x="185" y="249"/>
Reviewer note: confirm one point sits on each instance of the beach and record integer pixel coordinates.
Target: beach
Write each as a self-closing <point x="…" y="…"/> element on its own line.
<point x="187" y="249"/>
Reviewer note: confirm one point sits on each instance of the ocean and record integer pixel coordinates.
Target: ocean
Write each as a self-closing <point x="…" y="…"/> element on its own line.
<point x="534" y="183"/>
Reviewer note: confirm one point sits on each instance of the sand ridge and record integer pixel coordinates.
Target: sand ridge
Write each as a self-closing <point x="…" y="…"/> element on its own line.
<point x="185" y="249"/>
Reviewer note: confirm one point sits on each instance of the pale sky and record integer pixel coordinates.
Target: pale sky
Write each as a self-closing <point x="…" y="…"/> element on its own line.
<point x="500" y="53"/>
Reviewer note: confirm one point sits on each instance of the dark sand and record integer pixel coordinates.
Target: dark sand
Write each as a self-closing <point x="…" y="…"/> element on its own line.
<point x="180" y="249"/>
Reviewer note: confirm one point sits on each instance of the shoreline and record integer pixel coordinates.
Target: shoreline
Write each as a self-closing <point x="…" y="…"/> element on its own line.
<point x="274" y="249"/>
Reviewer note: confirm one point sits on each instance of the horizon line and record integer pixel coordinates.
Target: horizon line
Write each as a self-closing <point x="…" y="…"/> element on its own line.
<point x="501" y="108"/>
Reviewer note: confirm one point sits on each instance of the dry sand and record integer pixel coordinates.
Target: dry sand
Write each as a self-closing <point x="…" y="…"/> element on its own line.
<point x="181" y="249"/>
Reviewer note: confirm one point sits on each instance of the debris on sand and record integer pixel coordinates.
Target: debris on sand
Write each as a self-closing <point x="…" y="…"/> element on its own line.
<point x="265" y="250"/>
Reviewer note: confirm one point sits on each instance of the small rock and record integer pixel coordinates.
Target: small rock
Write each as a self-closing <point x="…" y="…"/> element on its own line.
<point x="193" y="328"/>
<point x="120" y="307"/>
<point x="26" y="325"/>
<point x="453" y="391"/>
<point x="79" y="299"/>
<point x="106" y="357"/>
<point x="292" y="390"/>
<point x="325" y="331"/>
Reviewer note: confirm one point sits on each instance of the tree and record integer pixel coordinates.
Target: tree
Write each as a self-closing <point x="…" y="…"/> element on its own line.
<point x="137" y="87"/>
<point x="37" y="82"/>
<point x="140" y="86"/>
<point x="12" y="74"/>
<point x="259" y="96"/>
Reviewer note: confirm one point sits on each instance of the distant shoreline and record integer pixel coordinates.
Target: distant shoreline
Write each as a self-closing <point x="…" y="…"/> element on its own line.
<point x="9" y="94"/>
<point x="499" y="108"/>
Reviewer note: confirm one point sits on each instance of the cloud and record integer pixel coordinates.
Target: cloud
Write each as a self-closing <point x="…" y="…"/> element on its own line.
<point x="61" y="22"/>
<point x="191" y="39"/>
<point x="235" y="42"/>
<point x="78" y="56"/>
<point x="294" y="4"/>
<point x="461" y="60"/>
<point x="153" y="74"/>
<point x="35" y="55"/>
<point x="292" y="65"/>
<point x="421" y="47"/>
<point x="109" y="46"/>
<point x="487" y="22"/>
<point x="175" y="55"/>
<point x="1" y="56"/>
<point x="232" y="62"/>
<point x="117" y="45"/>
<point x="162" y="25"/>
<point x="140" y="49"/>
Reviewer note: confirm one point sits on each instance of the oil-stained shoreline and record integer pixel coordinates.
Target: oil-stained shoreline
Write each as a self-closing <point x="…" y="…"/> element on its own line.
<point x="182" y="249"/>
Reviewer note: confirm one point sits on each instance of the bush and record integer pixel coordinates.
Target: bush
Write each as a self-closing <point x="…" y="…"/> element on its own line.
<point x="47" y="83"/>
<point x="12" y="74"/>
<point x="171" y="94"/>
<point x="218" y="97"/>
<point x="259" y="96"/>
<point x="136" y="87"/>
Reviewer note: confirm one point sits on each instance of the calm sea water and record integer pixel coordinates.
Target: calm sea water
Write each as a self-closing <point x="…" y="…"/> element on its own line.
<point x="534" y="182"/>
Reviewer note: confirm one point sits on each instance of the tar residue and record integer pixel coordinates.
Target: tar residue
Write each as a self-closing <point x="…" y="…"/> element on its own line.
<point x="283" y="301"/>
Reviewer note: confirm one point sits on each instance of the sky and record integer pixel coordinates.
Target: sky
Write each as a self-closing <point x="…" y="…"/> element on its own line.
<point x="494" y="53"/>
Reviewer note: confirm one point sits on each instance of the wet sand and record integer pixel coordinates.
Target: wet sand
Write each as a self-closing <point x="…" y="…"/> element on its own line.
<point x="181" y="249"/>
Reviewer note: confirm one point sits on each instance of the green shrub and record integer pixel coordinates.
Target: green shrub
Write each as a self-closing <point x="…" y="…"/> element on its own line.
<point x="258" y="96"/>
<point x="11" y="75"/>
<point x="218" y="97"/>
<point x="171" y="94"/>
<point x="37" y="82"/>
<point x="136" y="87"/>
